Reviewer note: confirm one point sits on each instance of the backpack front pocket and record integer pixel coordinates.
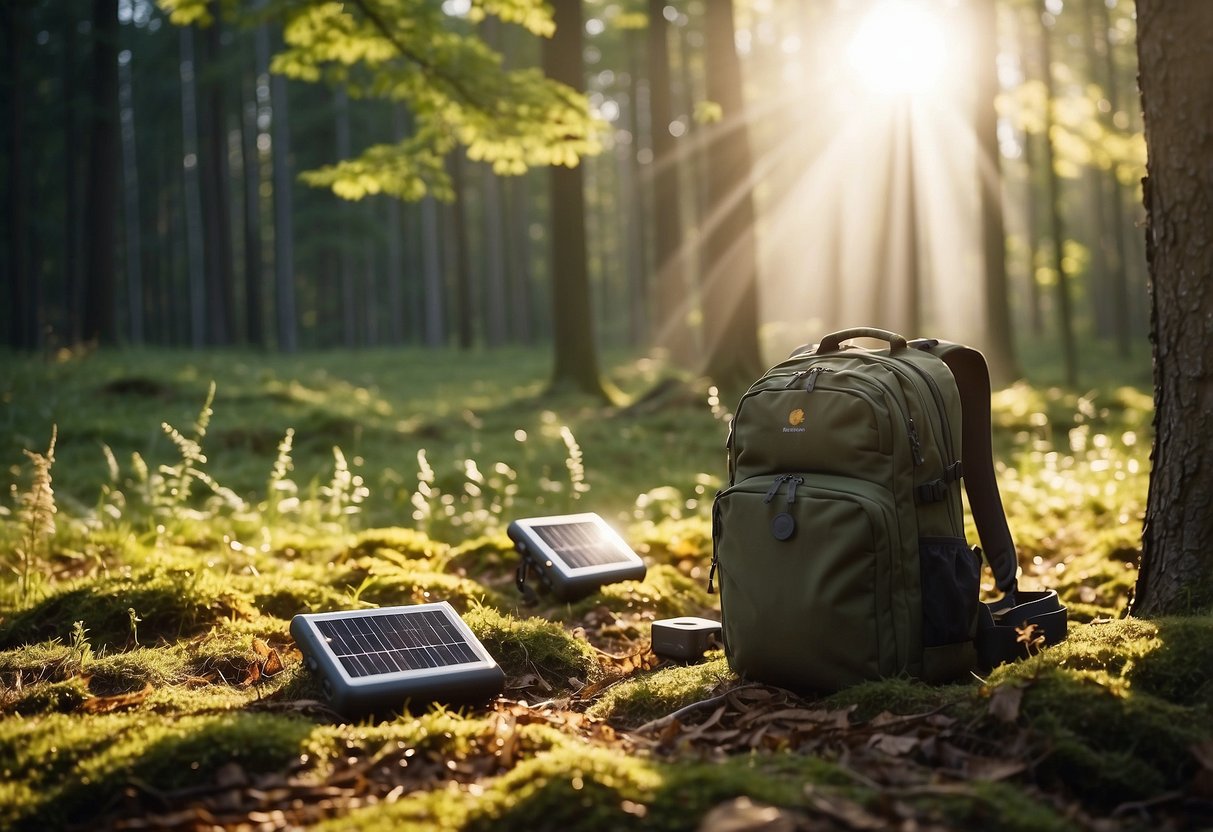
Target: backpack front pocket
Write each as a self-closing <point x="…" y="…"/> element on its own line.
<point x="805" y="579"/>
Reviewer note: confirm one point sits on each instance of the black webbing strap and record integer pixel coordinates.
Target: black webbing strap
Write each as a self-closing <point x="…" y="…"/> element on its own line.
<point x="968" y="366"/>
<point x="1006" y="633"/>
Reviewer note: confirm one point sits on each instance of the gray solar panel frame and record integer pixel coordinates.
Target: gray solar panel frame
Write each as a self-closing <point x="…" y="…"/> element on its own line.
<point x="370" y="693"/>
<point x="568" y="582"/>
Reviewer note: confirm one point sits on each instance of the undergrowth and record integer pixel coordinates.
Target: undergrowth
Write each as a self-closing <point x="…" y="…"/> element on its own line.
<point x="145" y="656"/>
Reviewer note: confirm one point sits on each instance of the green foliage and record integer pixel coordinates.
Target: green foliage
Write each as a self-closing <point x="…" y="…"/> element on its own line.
<point x="455" y="86"/>
<point x="655" y="694"/>
<point x="534" y="646"/>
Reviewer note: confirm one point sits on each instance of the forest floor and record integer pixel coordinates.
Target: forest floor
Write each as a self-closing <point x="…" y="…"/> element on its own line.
<point x="148" y="678"/>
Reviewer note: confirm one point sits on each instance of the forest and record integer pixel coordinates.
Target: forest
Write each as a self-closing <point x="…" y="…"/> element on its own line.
<point x="306" y="301"/>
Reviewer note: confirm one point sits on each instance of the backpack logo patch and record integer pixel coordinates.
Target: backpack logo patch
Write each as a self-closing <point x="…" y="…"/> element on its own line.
<point x="795" y="420"/>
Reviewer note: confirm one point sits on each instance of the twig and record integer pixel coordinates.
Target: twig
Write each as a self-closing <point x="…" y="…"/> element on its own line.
<point x="663" y="721"/>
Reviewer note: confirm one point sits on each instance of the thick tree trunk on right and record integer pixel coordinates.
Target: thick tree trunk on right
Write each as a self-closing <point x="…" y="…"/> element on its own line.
<point x="1176" y="65"/>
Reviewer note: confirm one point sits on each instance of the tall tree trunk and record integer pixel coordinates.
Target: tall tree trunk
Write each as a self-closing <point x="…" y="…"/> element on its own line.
<point x="1065" y="313"/>
<point x="132" y="222"/>
<point x="394" y="267"/>
<point x="101" y="188"/>
<point x="576" y="354"/>
<point x="670" y="280"/>
<point x="1176" y="66"/>
<point x="433" y="285"/>
<point x="345" y="212"/>
<point x="632" y="201"/>
<point x="215" y="178"/>
<point x="460" y="259"/>
<point x="285" y="316"/>
<point x="518" y="259"/>
<point x="254" y="272"/>
<point x="999" y="346"/>
<point x="730" y="291"/>
<point x="73" y="220"/>
<point x="1031" y="209"/>
<point x="496" y="306"/>
<point x="22" y="330"/>
<point x="192" y="190"/>
<point x="1120" y="278"/>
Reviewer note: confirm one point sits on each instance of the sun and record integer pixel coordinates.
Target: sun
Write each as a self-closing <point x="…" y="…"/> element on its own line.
<point x="899" y="48"/>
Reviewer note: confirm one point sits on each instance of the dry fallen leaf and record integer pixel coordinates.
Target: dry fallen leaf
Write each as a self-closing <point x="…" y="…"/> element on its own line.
<point x="1005" y="702"/>
<point x="108" y="704"/>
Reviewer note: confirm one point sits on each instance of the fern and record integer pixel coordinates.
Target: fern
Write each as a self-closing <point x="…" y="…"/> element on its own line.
<point x="180" y="477"/>
<point x="282" y="494"/>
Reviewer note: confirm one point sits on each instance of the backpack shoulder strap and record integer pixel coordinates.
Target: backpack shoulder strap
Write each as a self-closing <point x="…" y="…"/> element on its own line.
<point x="968" y="367"/>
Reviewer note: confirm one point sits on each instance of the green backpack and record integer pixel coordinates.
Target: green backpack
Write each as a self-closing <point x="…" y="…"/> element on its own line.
<point x="840" y="541"/>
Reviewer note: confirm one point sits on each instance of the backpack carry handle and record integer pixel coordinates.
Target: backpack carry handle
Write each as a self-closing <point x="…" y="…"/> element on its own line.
<point x="834" y="340"/>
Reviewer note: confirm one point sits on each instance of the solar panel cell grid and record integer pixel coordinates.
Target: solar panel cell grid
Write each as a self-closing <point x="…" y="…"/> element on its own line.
<point x="377" y="644"/>
<point x="580" y="544"/>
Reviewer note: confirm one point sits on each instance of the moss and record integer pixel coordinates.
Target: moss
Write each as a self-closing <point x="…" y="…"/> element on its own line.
<point x="415" y="583"/>
<point x="76" y="764"/>
<point x="665" y="592"/>
<point x="534" y="645"/>
<point x="286" y="597"/>
<point x="52" y="697"/>
<point x="899" y="696"/>
<point x="656" y="694"/>
<point x="169" y="604"/>
<point x="395" y="542"/>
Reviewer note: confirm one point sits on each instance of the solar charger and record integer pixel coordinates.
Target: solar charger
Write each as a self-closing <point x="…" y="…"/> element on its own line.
<point x="374" y="661"/>
<point x="684" y="639"/>
<point x="571" y="555"/>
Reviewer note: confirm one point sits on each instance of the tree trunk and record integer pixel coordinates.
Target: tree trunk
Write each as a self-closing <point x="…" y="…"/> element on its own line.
<point x="73" y="221"/>
<point x="1176" y="66"/>
<point x="730" y="290"/>
<point x="345" y="212"/>
<point x="215" y="178"/>
<point x="999" y="346"/>
<point x="101" y="187"/>
<point x="576" y="359"/>
<point x="1031" y="210"/>
<point x="1065" y="313"/>
<point x="20" y="325"/>
<point x="433" y="284"/>
<point x="132" y="222"/>
<point x="285" y="316"/>
<point x="254" y="278"/>
<point x="191" y="190"/>
<point x="457" y="238"/>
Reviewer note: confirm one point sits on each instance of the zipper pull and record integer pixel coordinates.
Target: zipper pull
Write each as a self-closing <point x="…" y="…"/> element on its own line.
<point x="716" y="523"/>
<point x="796" y="483"/>
<point x="712" y="576"/>
<point x="915" y="443"/>
<point x="774" y="489"/>
<point x="813" y="373"/>
<point x="796" y="376"/>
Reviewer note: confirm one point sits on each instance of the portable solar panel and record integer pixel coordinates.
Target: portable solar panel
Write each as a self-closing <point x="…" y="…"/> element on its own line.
<point x="374" y="661"/>
<point x="684" y="639"/>
<point x="572" y="555"/>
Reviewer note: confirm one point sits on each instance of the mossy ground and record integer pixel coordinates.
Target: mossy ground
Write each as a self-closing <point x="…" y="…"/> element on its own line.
<point x="147" y="672"/>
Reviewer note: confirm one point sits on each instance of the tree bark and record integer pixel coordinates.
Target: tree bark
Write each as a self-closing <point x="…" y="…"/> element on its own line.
<point x="254" y="278"/>
<point x="131" y="214"/>
<point x="215" y="179"/>
<point x="999" y="347"/>
<point x="1065" y="313"/>
<point x="285" y="316"/>
<point x="21" y="329"/>
<point x="730" y="282"/>
<point x="101" y="187"/>
<point x="576" y="359"/>
<point x="1176" y="79"/>
<point x="191" y="190"/>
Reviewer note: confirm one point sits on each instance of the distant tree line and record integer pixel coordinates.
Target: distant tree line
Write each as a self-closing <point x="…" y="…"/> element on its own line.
<point x="152" y="191"/>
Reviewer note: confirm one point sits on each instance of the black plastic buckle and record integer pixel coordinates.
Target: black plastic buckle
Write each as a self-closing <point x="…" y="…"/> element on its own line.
<point x="931" y="492"/>
<point x="954" y="471"/>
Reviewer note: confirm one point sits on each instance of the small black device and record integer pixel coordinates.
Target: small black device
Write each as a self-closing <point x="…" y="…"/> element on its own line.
<point x="374" y="661"/>
<point x="571" y="555"/>
<point x="684" y="639"/>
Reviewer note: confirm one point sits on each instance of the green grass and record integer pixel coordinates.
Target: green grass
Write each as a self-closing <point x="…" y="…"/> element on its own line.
<point x="129" y="663"/>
